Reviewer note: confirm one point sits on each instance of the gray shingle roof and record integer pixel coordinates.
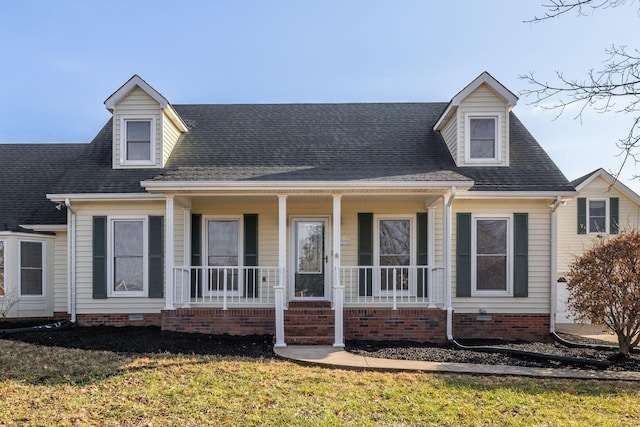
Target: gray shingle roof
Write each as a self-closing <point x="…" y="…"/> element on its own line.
<point x="27" y="173"/>
<point x="315" y="142"/>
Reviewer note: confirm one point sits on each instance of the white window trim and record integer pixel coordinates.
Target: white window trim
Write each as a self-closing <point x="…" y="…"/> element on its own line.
<point x="44" y="265"/>
<point x="497" y="116"/>
<point x="123" y="140"/>
<point x="606" y="215"/>
<point x="205" y="251"/>
<point x="145" y="256"/>
<point x="377" y="291"/>
<point x="474" y="255"/>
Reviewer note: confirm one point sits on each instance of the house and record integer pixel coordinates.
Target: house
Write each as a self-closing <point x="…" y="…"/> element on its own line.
<point x="312" y="222"/>
<point x="604" y="207"/>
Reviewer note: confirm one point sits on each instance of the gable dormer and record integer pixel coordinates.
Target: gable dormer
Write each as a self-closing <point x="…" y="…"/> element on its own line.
<point x="145" y="126"/>
<point x="475" y="124"/>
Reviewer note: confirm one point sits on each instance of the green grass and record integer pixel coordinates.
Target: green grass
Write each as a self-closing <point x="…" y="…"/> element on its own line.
<point x="53" y="386"/>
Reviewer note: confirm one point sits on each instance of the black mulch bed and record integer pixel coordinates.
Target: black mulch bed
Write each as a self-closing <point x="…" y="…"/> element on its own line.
<point x="150" y="339"/>
<point x="145" y="339"/>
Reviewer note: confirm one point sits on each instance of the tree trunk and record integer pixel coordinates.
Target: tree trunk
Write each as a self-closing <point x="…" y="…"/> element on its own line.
<point x="624" y="343"/>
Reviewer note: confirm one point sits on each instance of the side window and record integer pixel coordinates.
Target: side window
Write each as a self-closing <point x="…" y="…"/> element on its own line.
<point x="491" y="258"/>
<point x="128" y="256"/>
<point x="597" y="212"/>
<point x="31" y="268"/>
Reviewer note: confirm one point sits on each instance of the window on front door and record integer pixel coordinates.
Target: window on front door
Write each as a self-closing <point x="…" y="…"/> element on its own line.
<point x="222" y="255"/>
<point x="309" y="259"/>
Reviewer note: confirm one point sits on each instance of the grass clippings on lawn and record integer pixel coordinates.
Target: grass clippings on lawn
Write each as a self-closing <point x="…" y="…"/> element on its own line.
<point x="50" y="385"/>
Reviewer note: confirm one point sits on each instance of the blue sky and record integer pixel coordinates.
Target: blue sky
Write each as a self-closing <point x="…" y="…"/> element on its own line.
<point x="61" y="59"/>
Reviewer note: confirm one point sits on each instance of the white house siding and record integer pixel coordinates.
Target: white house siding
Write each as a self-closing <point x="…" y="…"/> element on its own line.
<point x="483" y="101"/>
<point x="60" y="281"/>
<point x="137" y="103"/>
<point x="539" y="257"/>
<point x="450" y="136"/>
<point x="570" y="243"/>
<point x="170" y="135"/>
<point x="86" y="304"/>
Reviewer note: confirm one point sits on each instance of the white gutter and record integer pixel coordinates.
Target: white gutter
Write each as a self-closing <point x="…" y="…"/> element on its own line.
<point x="447" y="261"/>
<point x="71" y="263"/>
<point x="472" y="195"/>
<point x="104" y="197"/>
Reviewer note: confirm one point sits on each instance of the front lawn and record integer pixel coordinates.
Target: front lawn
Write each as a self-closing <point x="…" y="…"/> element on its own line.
<point x="56" y="386"/>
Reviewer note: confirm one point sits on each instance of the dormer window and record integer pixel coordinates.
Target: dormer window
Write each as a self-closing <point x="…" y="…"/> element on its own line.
<point x="138" y="141"/>
<point x="483" y="138"/>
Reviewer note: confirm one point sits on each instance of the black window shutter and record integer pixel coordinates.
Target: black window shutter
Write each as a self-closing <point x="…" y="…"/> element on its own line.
<point x="196" y="254"/>
<point x="614" y="208"/>
<point x="251" y="254"/>
<point x="365" y="253"/>
<point x="521" y="255"/>
<point x="99" y="257"/>
<point x="422" y="254"/>
<point x="463" y="255"/>
<point x="156" y="257"/>
<point x="582" y="215"/>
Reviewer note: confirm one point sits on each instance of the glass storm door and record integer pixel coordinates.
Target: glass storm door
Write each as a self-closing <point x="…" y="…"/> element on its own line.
<point x="309" y="259"/>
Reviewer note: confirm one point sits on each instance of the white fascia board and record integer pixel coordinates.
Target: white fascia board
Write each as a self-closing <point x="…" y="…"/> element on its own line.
<point x="446" y="115"/>
<point x="279" y="186"/>
<point x="132" y="83"/>
<point x="44" y="227"/>
<point x="104" y="197"/>
<point x="616" y="183"/>
<point x="477" y="195"/>
<point x="175" y="118"/>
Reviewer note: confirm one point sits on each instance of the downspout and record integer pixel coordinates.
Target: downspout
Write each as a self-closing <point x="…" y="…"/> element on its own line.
<point x="72" y="259"/>
<point x="553" y="300"/>
<point x="447" y="262"/>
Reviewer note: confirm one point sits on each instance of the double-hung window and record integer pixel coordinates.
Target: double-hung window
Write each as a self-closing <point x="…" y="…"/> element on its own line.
<point x="138" y="140"/>
<point x="491" y="260"/>
<point x="597" y="211"/>
<point x="395" y="254"/>
<point x="223" y="260"/>
<point x="483" y="138"/>
<point x="31" y="268"/>
<point x="129" y="252"/>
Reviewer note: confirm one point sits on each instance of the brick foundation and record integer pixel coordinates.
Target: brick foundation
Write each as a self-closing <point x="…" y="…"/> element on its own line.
<point x="119" y="319"/>
<point x="216" y="321"/>
<point x="527" y="327"/>
<point x="381" y="324"/>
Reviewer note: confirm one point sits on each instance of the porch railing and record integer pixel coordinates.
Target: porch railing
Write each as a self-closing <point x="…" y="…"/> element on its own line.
<point x="393" y="285"/>
<point x="225" y="286"/>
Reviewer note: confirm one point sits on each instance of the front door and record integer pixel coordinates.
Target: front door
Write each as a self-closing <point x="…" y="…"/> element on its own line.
<point x="310" y="264"/>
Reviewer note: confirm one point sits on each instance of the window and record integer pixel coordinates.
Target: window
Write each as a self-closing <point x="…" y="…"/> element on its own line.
<point x="128" y="256"/>
<point x="597" y="210"/>
<point x="31" y="268"/>
<point x="138" y="136"/>
<point x="2" y="291"/>
<point x="394" y="254"/>
<point x="491" y="260"/>
<point x="223" y="247"/>
<point x="483" y="138"/>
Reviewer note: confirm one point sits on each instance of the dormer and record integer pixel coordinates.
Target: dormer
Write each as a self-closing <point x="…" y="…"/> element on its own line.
<point x="145" y="126"/>
<point x="475" y="124"/>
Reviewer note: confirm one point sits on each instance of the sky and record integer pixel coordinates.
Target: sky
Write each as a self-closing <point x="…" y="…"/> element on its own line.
<point x="60" y="60"/>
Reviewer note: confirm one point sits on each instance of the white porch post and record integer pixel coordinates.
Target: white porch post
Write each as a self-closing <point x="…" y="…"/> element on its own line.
<point x="282" y="264"/>
<point x="186" y="260"/>
<point x="338" y="288"/>
<point x="430" y="255"/>
<point x="168" y="258"/>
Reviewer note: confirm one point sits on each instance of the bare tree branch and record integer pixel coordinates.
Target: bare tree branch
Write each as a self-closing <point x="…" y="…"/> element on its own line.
<point x="556" y="8"/>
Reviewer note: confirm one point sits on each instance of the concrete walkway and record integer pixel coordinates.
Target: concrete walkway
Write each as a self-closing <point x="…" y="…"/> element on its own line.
<point x="338" y="358"/>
